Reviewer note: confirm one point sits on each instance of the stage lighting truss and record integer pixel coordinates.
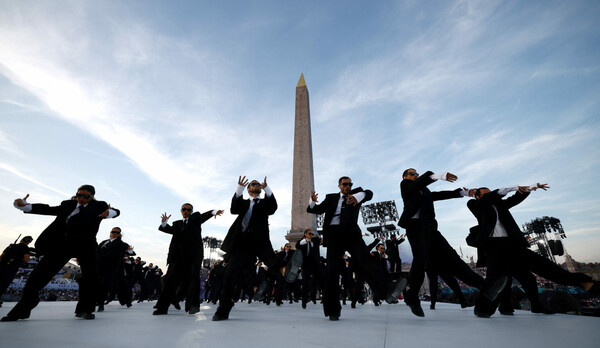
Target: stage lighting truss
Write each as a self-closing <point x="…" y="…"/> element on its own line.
<point x="545" y="234"/>
<point x="382" y="218"/>
<point x="320" y="221"/>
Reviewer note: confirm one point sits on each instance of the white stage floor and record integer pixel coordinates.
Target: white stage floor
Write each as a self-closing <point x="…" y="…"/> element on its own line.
<point x="53" y="324"/>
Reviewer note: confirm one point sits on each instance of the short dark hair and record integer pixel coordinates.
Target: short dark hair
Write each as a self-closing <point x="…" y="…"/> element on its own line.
<point x="116" y="227"/>
<point x="88" y="188"/>
<point x="27" y="239"/>
<point x="184" y="204"/>
<point x="404" y="173"/>
<point x="478" y="191"/>
<point x="342" y="178"/>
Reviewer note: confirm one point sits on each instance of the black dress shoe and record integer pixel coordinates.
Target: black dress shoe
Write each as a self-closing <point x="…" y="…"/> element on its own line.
<point x="395" y="290"/>
<point x="194" y="310"/>
<point x="218" y="317"/>
<point x="481" y="314"/>
<point x="334" y="317"/>
<point x="159" y="312"/>
<point x="506" y="311"/>
<point x="292" y="268"/>
<point x="416" y="309"/>
<point x="432" y="306"/>
<point x="303" y="305"/>
<point x="128" y="305"/>
<point x="9" y="318"/>
<point x="353" y="304"/>
<point x="88" y="316"/>
<point x="101" y="308"/>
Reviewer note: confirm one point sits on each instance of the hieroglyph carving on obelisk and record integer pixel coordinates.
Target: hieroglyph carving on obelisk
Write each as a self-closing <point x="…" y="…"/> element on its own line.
<point x="303" y="180"/>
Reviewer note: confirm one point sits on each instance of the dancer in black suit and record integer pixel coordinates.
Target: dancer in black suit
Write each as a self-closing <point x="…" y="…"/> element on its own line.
<point x="110" y="264"/>
<point x="507" y="251"/>
<point x="312" y="274"/>
<point x="186" y="253"/>
<point x="12" y="258"/>
<point x="340" y="234"/>
<point x="418" y="218"/>
<point x="71" y="235"/>
<point x="247" y="239"/>
<point x="391" y="248"/>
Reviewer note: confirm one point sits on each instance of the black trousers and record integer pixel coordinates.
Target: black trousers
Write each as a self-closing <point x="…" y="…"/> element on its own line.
<point x="241" y="258"/>
<point x="312" y="275"/>
<point x="446" y="262"/>
<point x="185" y="276"/>
<point x="338" y="243"/>
<point x="419" y="235"/>
<point x="50" y="265"/>
<point x="504" y="258"/>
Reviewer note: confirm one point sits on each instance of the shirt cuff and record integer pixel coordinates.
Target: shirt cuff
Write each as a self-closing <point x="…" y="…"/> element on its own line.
<point x="311" y="203"/>
<point x="505" y="190"/>
<point x="438" y="176"/>
<point x="111" y="214"/>
<point x="464" y="193"/>
<point x="164" y="223"/>
<point x="239" y="191"/>
<point x="360" y="196"/>
<point x="268" y="191"/>
<point x="25" y="209"/>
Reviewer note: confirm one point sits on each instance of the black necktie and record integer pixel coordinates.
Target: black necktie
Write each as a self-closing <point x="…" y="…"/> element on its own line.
<point x="345" y="201"/>
<point x="246" y="219"/>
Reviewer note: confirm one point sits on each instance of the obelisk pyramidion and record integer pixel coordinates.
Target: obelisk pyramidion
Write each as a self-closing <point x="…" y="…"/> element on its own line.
<point x="304" y="179"/>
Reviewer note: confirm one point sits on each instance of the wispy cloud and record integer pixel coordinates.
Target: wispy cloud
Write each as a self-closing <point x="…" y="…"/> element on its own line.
<point x="16" y="172"/>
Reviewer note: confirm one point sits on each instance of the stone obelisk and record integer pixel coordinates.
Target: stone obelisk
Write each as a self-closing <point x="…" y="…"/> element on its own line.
<point x="304" y="179"/>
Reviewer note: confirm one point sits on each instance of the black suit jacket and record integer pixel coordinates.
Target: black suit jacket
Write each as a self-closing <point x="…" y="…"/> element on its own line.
<point x="81" y="228"/>
<point x="483" y="209"/>
<point x="315" y="251"/>
<point x="348" y="215"/>
<point x="285" y="258"/>
<point x="110" y="257"/>
<point x="391" y="248"/>
<point x="186" y="243"/>
<point x="417" y="198"/>
<point x="258" y="227"/>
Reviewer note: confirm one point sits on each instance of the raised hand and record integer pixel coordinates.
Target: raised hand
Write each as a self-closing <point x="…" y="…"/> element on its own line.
<point x="544" y="187"/>
<point x="164" y="217"/>
<point x="21" y="202"/>
<point x="105" y="214"/>
<point x="264" y="184"/>
<point x="218" y="213"/>
<point x="314" y="196"/>
<point x="451" y="177"/>
<point x="471" y="193"/>
<point x="352" y="200"/>
<point x="242" y="181"/>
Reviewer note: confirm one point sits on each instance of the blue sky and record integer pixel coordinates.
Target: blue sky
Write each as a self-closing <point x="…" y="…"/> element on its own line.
<point x="159" y="103"/>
